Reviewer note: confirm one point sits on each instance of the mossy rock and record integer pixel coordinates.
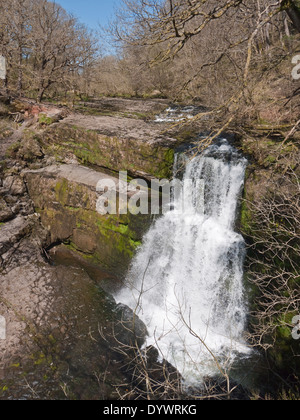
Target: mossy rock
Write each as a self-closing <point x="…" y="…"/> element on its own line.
<point x="139" y="158"/>
<point x="68" y="211"/>
<point x="45" y="120"/>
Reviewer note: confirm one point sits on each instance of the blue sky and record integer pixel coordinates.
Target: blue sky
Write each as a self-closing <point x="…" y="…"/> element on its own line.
<point x="90" y="12"/>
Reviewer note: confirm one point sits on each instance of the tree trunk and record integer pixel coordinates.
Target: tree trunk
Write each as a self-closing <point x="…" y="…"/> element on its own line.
<point x="20" y="75"/>
<point x="293" y="11"/>
<point x="294" y="15"/>
<point x="40" y="95"/>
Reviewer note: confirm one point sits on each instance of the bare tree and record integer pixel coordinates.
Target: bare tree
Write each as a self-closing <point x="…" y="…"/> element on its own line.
<point x="15" y="22"/>
<point x="273" y="261"/>
<point x="60" y="46"/>
<point x="40" y="39"/>
<point x="191" y="40"/>
<point x="231" y="46"/>
<point x="175" y="22"/>
<point x="292" y="7"/>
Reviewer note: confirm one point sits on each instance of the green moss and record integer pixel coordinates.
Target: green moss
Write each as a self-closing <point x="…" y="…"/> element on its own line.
<point x="119" y="236"/>
<point x="270" y="160"/>
<point x="61" y="191"/>
<point x="40" y="359"/>
<point x="135" y="244"/>
<point x="187" y="135"/>
<point x="284" y="331"/>
<point x="13" y="150"/>
<point x="44" y="120"/>
<point x="118" y="154"/>
<point x="5" y="132"/>
<point x="68" y="211"/>
<point x="113" y="239"/>
<point x="246" y="219"/>
<point x="119" y="228"/>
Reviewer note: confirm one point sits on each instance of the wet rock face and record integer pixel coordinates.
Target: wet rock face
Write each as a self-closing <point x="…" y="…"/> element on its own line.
<point x="65" y="196"/>
<point x="23" y="311"/>
<point x="60" y="327"/>
<point x="67" y="203"/>
<point x="129" y="328"/>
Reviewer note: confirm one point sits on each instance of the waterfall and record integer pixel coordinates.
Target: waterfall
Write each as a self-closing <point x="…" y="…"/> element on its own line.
<point x="186" y="281"/>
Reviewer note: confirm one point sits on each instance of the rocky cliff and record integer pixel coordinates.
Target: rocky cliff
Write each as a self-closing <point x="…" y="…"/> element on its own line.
<point x="55" y="314"/>
<point x="65" y="196"/>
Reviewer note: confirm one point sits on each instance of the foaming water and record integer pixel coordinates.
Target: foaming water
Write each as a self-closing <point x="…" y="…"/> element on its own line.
<point x="186" y="281"/>
<point x="177" y="113"/>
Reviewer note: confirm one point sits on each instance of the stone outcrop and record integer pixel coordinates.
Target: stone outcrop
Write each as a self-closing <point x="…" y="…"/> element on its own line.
<point x="122" y="107"/>
<point x="12" y="237"/>
<point x="65" y="196"/>
<point x="42" y="113"/>
<point x="62" y="327"/>
<point x="118" y="144"/>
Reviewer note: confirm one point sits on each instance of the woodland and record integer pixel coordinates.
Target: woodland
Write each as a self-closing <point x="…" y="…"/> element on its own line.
<point x="238" y="62"/>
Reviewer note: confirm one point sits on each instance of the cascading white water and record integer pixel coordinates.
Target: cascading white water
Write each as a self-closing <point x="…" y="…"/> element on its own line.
<point x="186" y="281"/>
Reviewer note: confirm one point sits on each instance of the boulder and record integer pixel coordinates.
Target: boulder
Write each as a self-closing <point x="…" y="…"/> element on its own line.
<point x="15" y="185"/>
<point x="29" y="149"/>
<point x="5" y="211"/>
<point x="129" y="330"/>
